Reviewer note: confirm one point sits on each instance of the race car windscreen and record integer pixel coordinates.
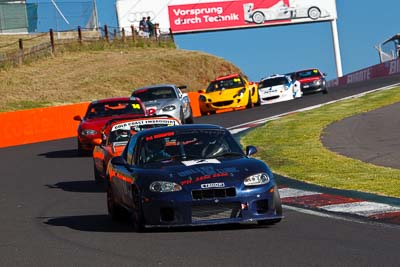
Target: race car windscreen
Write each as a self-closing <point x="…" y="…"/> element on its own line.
<point x="188" y="145"/>
<point x="225" y="84"/>
<point x="307" y="74"/>
<point x="273" y="82"/>
<point x="112" y="108"/>
<point x="123" y="134"/>
<point x="150" y="94"/>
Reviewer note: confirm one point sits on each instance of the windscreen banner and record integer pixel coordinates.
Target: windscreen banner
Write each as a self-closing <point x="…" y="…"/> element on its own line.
<point x="184" y="16"/>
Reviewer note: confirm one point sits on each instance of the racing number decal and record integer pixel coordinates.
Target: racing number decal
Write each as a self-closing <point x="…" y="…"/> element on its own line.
<point x="136" y="106"/>
<point x="160" y="135"/>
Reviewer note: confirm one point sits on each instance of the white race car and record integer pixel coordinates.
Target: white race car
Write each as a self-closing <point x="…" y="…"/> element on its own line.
<point x="277" y="88"/>
<point x="280" y="11"/>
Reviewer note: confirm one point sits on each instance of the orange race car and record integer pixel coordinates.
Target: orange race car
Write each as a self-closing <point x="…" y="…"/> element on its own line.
<point x="228" y="92"/>
<point x="115" y="135"/>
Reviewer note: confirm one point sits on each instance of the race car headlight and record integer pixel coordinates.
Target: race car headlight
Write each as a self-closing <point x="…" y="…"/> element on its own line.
<point x="317" y="82"/>
<point x="88" y="132"/>
<point x="256" y="179"/>
<point x="202" y="98"/>
<point x="163" y="186"/>
<point x="169" y="108"/>
<point x="240" y="93"/>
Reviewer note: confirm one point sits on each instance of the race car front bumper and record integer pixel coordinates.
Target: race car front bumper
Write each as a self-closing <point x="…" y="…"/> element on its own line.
<point x="269" y="97"/>
<point x="85" y="143"/>
<point x="221" y="206"/>
<point x="312" y="87"/>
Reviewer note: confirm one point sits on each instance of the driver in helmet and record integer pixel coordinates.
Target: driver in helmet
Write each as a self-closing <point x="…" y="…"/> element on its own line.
<point x="155" y="150"/>
<point x="122" y="135"/>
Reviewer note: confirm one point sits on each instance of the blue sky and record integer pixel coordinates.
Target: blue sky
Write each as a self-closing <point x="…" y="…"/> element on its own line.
<point x="263" y="51"/>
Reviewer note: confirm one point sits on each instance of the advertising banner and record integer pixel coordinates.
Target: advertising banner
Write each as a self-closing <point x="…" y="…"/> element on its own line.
<point x="385" y="69"/>
<point x="183" y="16"/>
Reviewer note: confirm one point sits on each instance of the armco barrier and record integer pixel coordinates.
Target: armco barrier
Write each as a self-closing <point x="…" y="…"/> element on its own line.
<point x="45" y="124"/>
<point x="380" y="70"/>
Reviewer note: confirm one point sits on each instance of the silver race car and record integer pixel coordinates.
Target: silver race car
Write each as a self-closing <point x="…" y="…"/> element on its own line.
<point x="166" y="99"/>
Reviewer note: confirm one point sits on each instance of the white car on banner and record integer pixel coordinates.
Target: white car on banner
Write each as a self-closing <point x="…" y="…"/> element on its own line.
<point x="277" y="88"/>
<point x="282" y="11"/>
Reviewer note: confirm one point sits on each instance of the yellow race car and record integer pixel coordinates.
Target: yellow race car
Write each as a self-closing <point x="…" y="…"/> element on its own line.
<point x="228" y="92"/>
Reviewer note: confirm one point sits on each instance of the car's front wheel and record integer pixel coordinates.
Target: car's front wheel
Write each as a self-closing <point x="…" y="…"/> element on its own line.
<point x="278" y="209"/>
<point x="249" y="103"/>
<point x="189" y="120"/>
<point x="137" y="213"/>
<point x="97" y="177"/>
<point x="314" y="13"/>
<point x="81" y="151"/>
<point x="258" y="17"/>
<point x="203" y="113"/>
<point x="258" y="103"/>
<point x="181" y="116"/>
<point x="116" y="212"/>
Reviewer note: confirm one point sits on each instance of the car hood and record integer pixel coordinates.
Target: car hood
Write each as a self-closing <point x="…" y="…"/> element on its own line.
<point x="223" y="94"/>
<point x="98" y="123"/>
<point x="275" y="87"/>
<point x="193" y="173"/>
<point x="160" y="103"/>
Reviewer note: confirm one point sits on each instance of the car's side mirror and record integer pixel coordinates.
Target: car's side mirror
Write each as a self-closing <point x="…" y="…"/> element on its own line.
<point x="119" y="161"/>
<point x="201" y="91"/>
<point x="77" y="118"/>
<point x="182" y="87"/>
<point x="250" y="150"/>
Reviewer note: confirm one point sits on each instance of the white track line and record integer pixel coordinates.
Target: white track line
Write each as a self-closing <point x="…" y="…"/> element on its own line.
<point x="291" y="192"/>
<point x="364" y="208"/>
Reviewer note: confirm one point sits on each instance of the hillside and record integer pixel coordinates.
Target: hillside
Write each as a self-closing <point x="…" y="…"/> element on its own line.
<point x="79" y="76"/>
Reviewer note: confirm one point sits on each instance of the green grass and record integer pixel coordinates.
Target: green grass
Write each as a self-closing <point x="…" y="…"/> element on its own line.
<point x="291" y="146"/>
<point x="26" y="104"/>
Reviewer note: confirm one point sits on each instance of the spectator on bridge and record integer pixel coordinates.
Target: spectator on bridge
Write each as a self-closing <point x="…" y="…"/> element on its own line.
<point x="143" y="28"/>
<point x="150" y="26"/>
<point x="157" y="31"/>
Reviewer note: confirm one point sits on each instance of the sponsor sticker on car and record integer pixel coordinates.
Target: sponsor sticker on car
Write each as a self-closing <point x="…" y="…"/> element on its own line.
<point x="200" y="161"/>
<point x="151" y="110"/>
<point x="212" y="185"/>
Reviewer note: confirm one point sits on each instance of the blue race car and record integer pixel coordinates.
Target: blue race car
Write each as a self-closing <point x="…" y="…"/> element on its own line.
<point x="190" y="175"/>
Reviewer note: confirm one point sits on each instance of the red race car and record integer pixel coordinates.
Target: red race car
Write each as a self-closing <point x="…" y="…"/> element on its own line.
<point x="101" y="111"/>
<point x="115" y="135"/>
<point x="311" y="80"/>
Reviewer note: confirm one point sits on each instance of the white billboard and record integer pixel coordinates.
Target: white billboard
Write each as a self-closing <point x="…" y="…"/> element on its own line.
<point x="182" y="16"/>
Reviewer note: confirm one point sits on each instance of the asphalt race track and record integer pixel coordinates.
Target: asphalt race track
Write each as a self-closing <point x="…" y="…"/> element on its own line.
<point x="53" y="214"/>
<point x="372" y="137"/>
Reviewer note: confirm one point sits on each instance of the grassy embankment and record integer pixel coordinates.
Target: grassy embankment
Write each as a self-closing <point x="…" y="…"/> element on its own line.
<point x="292" y="148"/>
<point x="83" y="73"/>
